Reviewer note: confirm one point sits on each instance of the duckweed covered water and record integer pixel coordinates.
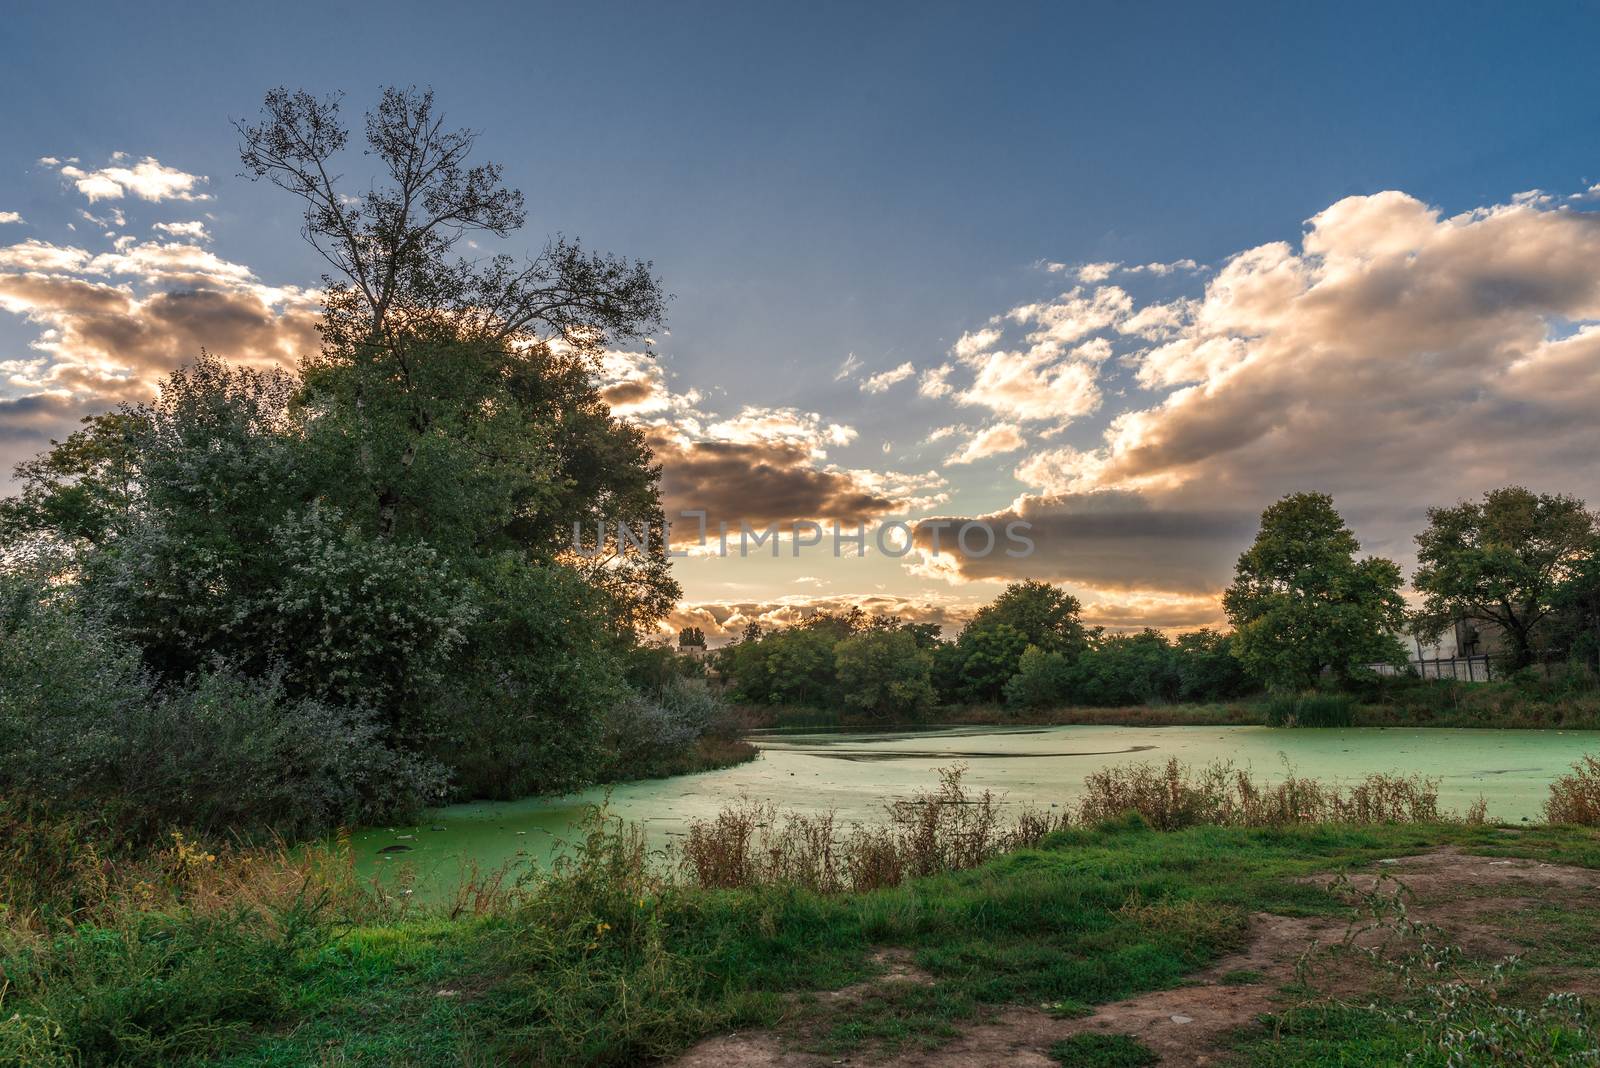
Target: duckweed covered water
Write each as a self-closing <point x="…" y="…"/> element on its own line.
<point x="855" y="773"/>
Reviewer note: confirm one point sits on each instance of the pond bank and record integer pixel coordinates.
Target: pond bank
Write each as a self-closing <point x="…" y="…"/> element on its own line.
<point x="855" y="773"/>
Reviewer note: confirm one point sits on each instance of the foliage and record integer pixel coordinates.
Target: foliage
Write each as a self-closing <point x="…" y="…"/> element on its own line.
<point x="1042" y="679"/>
<point x="1301" y="603"/>
<point x="884" y="673"/>
<point x="647" y="736"/>
<point x="1575" y="797"/>
<point x="531" y="688"/>
<point x="83" y="727"/>
<point x="990" y="654"/>
<point x="1501" y="562"/>
<point x="1045" y="615"/>
<point x="1313" y="709"/>
<point x="1127" y="669"/>
<point x="1207" y="669"/>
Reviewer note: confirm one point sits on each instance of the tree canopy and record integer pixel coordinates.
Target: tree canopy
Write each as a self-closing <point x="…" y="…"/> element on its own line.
<point x="1301" y="603"/>
<point x="1502" y="561"/>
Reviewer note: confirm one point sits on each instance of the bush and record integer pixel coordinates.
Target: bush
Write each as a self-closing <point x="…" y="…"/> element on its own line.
<point x="83" y="728"/>
<point x="527" y="708"/>
<point x="1575" y="798"/>
<point x="1173" y="796"/>
<point x="1311" y="710"/>
<point x="650" y="736"/>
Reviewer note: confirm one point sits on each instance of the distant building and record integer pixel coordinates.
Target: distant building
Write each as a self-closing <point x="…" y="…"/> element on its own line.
<point x="1465" y="651"/>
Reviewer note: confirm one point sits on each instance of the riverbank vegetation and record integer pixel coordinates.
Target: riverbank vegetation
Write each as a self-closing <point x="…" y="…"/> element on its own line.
<point x="1313" y="639"/>
<point x="196" y="949"/>
<point x="274" y="604"/>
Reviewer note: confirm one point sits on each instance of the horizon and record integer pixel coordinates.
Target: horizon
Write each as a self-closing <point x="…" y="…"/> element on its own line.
<point x="1130" y="292"/>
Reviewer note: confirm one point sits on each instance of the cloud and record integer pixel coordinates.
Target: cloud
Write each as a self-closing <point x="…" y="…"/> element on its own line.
<point x="723" y="621"/>
<point x="849" y="367"/>
<point x="148" y="179"/>
<point x="1097" y="272"/>
<point x="990" y="441"/>
<point x="1394" y="356"/>
<point x="195" y="230"/>
<point x="765" y="482"/>
<point x="935" y="382"/>
<point x="880" y="382"/>
<point x="1109" y="540"/>
<point x="10" y="217"/>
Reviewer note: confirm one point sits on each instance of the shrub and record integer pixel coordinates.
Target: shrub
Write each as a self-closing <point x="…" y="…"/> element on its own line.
<point x="1311" y="710"/>
<point x="1575" y="798"/>
<point x="1173" y="796"/>
<point x="84" y="729"/>
<point x="753" y="843"/>
<point x="650" y="736"/>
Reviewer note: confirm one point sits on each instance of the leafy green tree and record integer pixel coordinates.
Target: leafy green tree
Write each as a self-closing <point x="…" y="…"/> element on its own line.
<point x="455" y="395"/>
<point x="990" y="654"/>
<point x="1500" y="561"/>
<point x="1126" y="669"/>
<point x="1042" y="679"/>
<point x="692" y="638"/>
<point x="1207" y="669"/>
<point x="1045" y="615"/>
<point x="884" y="673"/>
<point x="1301" y="603"/>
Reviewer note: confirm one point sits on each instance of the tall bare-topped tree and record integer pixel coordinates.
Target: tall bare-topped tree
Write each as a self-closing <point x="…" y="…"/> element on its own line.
<point x="458" y="391"/>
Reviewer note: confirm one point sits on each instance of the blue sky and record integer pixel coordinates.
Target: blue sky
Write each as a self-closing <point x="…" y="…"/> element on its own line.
<point x="815" y="181"/>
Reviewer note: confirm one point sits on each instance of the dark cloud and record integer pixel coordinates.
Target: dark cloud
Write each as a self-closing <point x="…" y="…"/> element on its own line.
<point x="1107" y="540"/>
<point x="761" y="482"/>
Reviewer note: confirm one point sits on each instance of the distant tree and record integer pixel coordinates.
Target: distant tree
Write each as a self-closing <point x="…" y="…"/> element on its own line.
<point x="1301" y="603"/>
<point x="1042" y="679"/>
<point x="1500" y="561"/>
<point x="991" y="652"/>
<point x="1126" y="669"/>
<point x="691" y="638"/>
<point x="926" y="635"/>
<point x="1575" y="623"/>
<point x="1207" y="669"/>
<point x="1045" y="615"/>
<point x="884" y="673"/>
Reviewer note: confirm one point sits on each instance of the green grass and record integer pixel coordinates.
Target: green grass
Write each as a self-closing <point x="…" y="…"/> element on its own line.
<point x="601" y="973"/>
<point x="1103" y="1051"/>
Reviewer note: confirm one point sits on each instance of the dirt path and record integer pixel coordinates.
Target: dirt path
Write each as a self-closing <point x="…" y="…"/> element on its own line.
<point x="1469" y="897"/>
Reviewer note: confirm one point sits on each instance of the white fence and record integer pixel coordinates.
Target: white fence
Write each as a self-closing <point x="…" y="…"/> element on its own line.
<point x="1460" y="668"/>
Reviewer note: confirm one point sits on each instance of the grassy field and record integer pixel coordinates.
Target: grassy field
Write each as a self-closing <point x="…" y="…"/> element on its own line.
<point x="263" y="957"/>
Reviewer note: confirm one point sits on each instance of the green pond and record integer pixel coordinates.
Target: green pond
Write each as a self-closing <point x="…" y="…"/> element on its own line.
<point x="855" y="773"/>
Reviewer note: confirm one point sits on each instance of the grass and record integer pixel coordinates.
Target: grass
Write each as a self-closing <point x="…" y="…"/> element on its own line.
<point x="1103" y="1051"/>
<point x="249" y="958"/>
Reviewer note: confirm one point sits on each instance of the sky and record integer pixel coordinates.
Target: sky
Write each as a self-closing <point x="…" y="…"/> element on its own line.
<point x="1125" y="273"/>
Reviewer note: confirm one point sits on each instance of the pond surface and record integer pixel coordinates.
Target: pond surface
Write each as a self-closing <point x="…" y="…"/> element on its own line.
<point x="855" y="773"/>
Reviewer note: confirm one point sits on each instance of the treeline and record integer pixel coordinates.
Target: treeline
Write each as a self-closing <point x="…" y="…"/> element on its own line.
<point x="1307" y="613"/>
<point x="1027" y="648"/>
<point x="271" y="602"/>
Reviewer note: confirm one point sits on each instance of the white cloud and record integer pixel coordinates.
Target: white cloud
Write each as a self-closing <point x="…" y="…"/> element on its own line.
<point x="880" y="382"/>
<point x="1097" y="272"/>
<point x="990" y="441"/>
<point x="148" y="179"/>
<point x="849" y="367"/>
<point x="195" y="229"/>
<point x="934" y="382"/>
<point x="10" y="217"/>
